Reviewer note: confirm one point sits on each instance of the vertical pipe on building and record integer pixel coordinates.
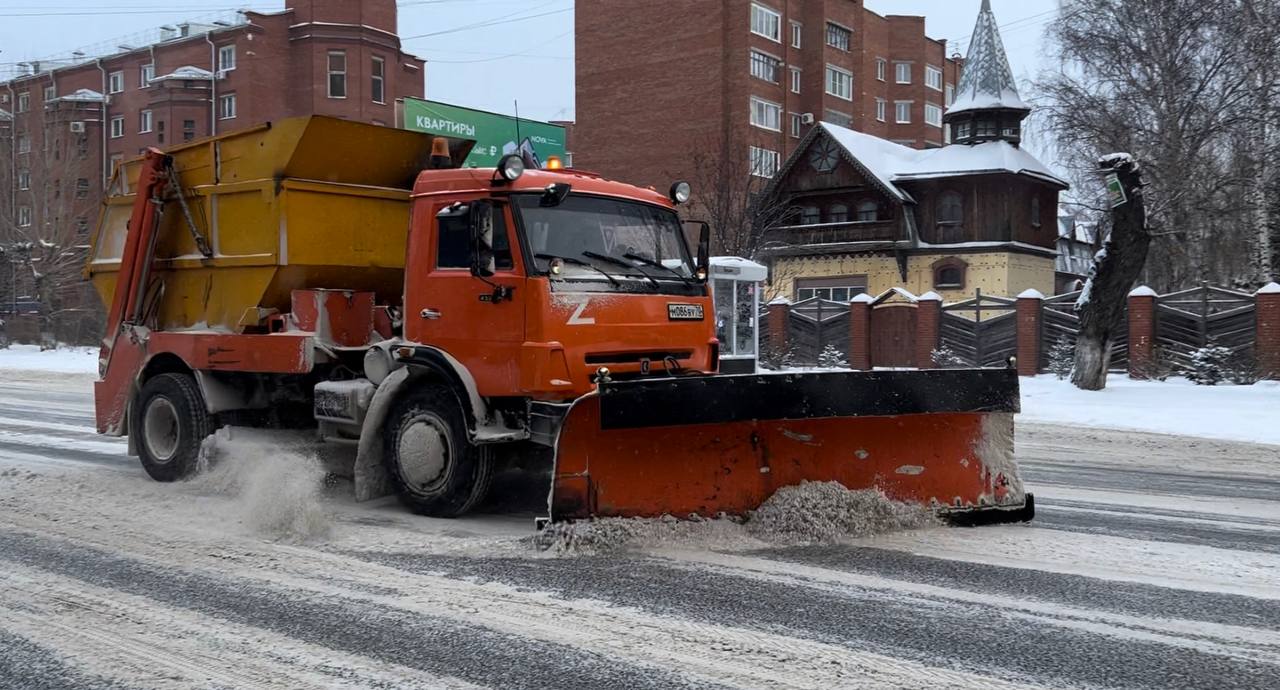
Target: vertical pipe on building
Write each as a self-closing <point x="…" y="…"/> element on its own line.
<point x="213" y="83"/>
<point x="13" y="151"/>
<point x="106" y="121"/>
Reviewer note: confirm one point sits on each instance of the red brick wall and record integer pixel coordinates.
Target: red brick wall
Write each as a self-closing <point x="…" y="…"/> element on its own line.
<point x="1029" y="315"/>
<point x="1268" y="342"/>
<point x="1142" y="335"/>
<point x="928" y="331"/>
<point x="860" y="335"/>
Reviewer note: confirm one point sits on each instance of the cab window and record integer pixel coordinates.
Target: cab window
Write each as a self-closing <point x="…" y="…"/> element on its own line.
<point x="453" y="242"/>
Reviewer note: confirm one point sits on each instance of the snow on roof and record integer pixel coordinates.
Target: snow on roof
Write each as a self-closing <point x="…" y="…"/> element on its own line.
<point x="890" y="163"/>
<point x="82" y="96"/>
<point x="1080" y="231"/>
<point x="1270" y="289"/>
<point x="862" y="298"/>
<point x="1142" y="291"/>
<point x="900" y="292"/>
<point x="745" y="269"/>
<point x="930" y="296"/>
<point x="186" y="72"/>
<point x="987" y="81"/>
<point x="779" y="300"/>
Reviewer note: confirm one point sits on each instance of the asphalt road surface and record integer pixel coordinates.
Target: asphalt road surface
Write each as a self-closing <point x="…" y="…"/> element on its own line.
<point x="1154" y="563"/>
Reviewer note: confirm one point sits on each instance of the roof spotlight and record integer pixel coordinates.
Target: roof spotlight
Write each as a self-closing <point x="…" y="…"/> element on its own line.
<point x="511" y="167"/>
<point x="681" y="192"/>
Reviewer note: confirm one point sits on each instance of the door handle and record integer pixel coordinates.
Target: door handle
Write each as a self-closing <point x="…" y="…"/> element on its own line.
<point x="430" y="313"/>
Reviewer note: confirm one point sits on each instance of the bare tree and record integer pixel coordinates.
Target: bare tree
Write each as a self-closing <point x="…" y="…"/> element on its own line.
<point x="1189" y="87"/>
<point x="732" y="195"/>
<point x="1101" y="306"/>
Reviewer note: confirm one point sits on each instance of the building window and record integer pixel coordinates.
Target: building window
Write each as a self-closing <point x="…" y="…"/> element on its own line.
<point x="764" y="162"/>
<point x="226" y="58"/>
<point x="764" y="66"/>
<point x="144" y="122"/>
<point x="82" y="188"/>
<point x="24" y="102"/>
<point x="810" y="215"/>
<point x="882" y="109"/>
<point x="838" y="36"/>
<point x="227" y="107"/>
<point x="963" y="130"/>
<point x="24" y="143"/>
<point x="795" y="80"/>
<point x="337" y="74"/>
<point x="902" y="70"/>
<point x="50" y="93"/>
<point x="839" y="83"/>
<point x="933" y="77"/>
<point x="902" y="112"/>
<point x="949" y="273"/>
<point x="836" y="117"/>
<point x="188" y="130"/>
<point x="24" y="216"/>
<point x="796" y="31"/>
<point x="950" y="209"/>
<point x="766" y="115"/>
<point x="147" y="74"/>
<point x="378" y="80"/>
<point x="82" y="226"/>
<point x="838" y="213"/>
<point x="868" y="211"/>
<point x="24" y="180"/>
<point x="1035" y="211"/>
<point x="117" y="127"/>
<point x="882" y="68"/>
<point x="986" y="127"/>
<point x="933" y="114"/>
<point x="951" y="94"/>
<point x="766" y="22"/>
<point x="796" y="123"/>
<point x="115" y="82"/>
<point x="834" y="288"/>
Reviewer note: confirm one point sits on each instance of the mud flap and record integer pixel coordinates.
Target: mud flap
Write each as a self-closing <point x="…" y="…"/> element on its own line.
<point x="724" y="444"/>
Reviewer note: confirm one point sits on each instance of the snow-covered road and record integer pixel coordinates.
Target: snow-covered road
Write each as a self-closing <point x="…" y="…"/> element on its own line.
<point x="1154" y="563"/>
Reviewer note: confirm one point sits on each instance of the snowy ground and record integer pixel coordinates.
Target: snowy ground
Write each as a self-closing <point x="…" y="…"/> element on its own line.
<point x="1154" y="563"/>
<point x="66" y="360"/>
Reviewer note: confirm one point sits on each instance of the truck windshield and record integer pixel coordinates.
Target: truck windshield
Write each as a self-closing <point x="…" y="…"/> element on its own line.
<point x="623" y="238"/>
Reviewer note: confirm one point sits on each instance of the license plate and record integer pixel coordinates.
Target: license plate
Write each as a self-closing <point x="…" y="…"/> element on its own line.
<point x="684" y="312"/>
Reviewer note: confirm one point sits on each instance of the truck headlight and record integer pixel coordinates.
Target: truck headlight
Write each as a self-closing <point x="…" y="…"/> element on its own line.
<point x="681" y="192"/>
<point x="511" y="167"/>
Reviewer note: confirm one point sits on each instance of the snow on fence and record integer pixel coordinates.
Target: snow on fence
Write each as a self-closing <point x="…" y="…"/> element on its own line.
<point x="1160" y="334"/>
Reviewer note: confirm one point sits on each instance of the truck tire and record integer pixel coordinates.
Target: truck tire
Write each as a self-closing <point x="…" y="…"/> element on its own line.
<point x="169" y="424"/>
<point x="434" y="467"/>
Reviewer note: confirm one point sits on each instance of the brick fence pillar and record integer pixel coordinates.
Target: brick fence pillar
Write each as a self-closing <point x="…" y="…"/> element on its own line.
<point x="777" y="313"/>
<point x="860" y="332"/>
<point x="928" y="328"/>
<point x="1267" y="345"/>
<point x="1030" y="306"/>
<point x="1142" y="332"/>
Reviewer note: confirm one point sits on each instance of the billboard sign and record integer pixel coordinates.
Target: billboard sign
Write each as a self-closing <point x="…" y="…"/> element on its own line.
<point x="495" y="135"/>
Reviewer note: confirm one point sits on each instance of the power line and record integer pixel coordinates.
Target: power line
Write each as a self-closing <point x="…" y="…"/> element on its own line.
<point x="523" y="53"/>
<point x="486" y="24"/>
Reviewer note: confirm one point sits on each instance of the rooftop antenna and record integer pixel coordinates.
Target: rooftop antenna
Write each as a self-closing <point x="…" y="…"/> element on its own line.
<point x="519" y="139"/>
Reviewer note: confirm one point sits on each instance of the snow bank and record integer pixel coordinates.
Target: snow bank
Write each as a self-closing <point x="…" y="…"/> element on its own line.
<point x="1176" y="406"/>
<point x="64" y="360"/>
<point x="278" y="490"/>
<point x="812" y="512"/>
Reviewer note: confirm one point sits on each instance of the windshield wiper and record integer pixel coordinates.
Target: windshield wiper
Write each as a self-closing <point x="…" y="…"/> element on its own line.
<point x="580" y="262"/>
<point x="619" y="262"/>
<point x="658" y="264"/>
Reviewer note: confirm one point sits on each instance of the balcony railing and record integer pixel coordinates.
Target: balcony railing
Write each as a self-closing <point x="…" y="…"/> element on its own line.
<point x="835" y="233"/>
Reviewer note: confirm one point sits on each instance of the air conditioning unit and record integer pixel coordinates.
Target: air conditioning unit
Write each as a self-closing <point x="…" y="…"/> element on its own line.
<point x="806" y="118"/>
<point x="222" y="73"/>
<point x="77" y="128"/>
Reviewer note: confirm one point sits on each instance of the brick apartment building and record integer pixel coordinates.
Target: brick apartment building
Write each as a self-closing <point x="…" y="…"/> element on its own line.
<point x="659" y="82"/>
<point x="64" y="125"/>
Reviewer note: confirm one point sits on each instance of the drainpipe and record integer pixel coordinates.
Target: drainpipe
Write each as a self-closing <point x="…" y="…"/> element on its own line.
<point x="106" y="123"/>
<point x="213" y="84"/>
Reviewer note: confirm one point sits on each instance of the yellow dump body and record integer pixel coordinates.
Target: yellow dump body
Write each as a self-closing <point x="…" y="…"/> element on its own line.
<point x="301" y="203"/>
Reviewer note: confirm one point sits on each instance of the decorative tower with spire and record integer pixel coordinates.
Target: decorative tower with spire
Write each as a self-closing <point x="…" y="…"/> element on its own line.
<point x="987" y="105"/>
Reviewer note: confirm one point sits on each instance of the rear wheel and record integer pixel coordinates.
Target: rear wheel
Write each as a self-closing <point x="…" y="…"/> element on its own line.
<point x="436" y="470"/>
<point x="169" y="424"/>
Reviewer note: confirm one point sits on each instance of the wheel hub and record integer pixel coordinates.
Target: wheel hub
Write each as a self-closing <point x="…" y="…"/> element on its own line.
<point x="161" y="429"/>
<point x="424" y="452"/>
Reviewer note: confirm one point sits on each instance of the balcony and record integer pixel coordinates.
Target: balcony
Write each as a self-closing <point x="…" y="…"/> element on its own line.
<point x="834" y="233"/>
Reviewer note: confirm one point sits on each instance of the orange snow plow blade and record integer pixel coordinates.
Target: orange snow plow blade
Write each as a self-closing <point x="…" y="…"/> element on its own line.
<point x="725" y="444"/>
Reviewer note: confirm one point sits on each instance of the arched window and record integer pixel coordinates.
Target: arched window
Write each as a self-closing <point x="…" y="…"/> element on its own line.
<point x="810" y="215"/>
<point x="868" y="210"/>
<point x="1035" y="210"/>
<point x="950" y="208"/>
<point x="949" y="273"/>
<point x="838" y="213"/>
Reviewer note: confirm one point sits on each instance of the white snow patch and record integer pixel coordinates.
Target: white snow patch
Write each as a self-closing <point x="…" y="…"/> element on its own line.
<point x="1031" y="293"/>
<point x="1269" y="289"/>
<point x="1142" y="291"/>
<point x="278" y="491"/>
<point x="63" y="360"/>
<point x="863" y="298"/>
<point x="930" y="296"/>
<point x="1176" y="406"/>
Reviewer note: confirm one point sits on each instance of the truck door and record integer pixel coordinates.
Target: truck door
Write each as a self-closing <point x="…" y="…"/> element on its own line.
<point x="449" y="308"/>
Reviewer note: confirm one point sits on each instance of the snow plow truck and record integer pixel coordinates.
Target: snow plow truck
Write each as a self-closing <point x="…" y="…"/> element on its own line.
<point x="434" y="319"/>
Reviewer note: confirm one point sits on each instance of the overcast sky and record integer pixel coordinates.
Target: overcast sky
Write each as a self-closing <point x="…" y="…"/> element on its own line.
<point x="483" y="53"/>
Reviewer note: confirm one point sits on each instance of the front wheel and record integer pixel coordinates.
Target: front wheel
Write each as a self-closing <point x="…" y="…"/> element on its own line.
<point x="169" y="424"/>
<point x="436" y="470"/>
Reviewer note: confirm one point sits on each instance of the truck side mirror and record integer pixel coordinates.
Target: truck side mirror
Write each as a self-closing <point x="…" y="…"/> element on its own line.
<point x="704" y="252"/>
<point x="483" y="262"/>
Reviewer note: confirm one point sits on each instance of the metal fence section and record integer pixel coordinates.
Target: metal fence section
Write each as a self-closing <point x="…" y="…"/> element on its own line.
<point x="1191" y="319"/>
